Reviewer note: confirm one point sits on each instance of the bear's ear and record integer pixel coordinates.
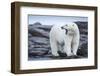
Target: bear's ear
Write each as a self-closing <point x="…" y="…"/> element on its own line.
<point x="73" y="25"/>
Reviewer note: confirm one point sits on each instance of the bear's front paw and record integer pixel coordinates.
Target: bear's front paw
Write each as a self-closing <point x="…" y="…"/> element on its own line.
<point x="55" y="54"/>
<point x="70" y="54"/>
<point x="74" y="54"/>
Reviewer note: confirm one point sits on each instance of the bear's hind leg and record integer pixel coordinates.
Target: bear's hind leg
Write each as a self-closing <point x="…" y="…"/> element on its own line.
<point x="75" y="48"/>
<point x="67" y="49"/>
<point x="75" y="45"/>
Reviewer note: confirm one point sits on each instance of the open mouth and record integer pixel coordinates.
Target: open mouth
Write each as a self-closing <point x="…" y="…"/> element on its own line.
<point x="65" y="30"/>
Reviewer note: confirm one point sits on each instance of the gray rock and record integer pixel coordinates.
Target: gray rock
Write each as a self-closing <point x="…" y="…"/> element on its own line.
<point x="83" y="50"/>
<point x="40" y="49"/>
<point x="37" y="53"/>
<point x="39" y="40"/>
<point x="39" y="32"/>
<point x="42" y="46"/>
<point x="44" y="27"/>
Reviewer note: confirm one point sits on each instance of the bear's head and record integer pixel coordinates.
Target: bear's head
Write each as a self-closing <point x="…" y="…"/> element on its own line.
<point x="69" y="28"/>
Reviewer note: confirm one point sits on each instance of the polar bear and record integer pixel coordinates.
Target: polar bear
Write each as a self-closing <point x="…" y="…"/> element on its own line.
<point x="64" y="38"/>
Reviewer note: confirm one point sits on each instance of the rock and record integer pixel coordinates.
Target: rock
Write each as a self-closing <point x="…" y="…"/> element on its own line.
<point x="83" y="27"/>
<point x="37" y="23"/>
<point x="39" y="40"/>
<point x="42" y="46"/>
<point x="39" y="49"/>
<point x="39" y="32"/>
<point x="37" y="53"/>
<point x="29" y="35"/>
<point x="37" y="29"/>
<point x="30" y="42"/>
<point x="62" y="54"/>
<point x="83" y="50"/>
<point x="45" y="27"/>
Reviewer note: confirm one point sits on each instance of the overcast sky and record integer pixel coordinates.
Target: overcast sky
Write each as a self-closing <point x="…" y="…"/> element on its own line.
<point x="52" y="20"/>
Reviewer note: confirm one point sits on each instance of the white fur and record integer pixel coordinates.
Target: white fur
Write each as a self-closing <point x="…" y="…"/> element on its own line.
<point x="70" y="40"/>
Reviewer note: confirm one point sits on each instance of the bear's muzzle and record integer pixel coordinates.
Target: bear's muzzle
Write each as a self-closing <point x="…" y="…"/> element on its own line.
<point x="66" y="31"/>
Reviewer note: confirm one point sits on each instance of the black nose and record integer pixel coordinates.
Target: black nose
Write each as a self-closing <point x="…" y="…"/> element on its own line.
<point x="66" y="31"/>
<point x="62" y="27"/>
